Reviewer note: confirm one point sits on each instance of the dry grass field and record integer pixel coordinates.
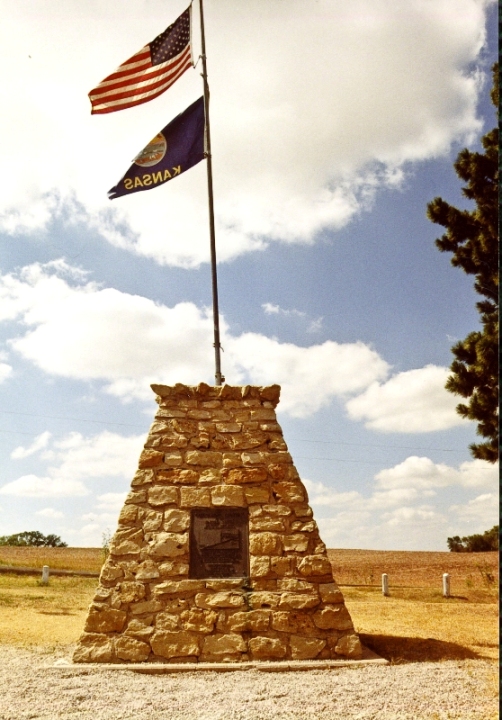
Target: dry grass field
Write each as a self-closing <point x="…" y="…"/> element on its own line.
<point x="414" y="624"/>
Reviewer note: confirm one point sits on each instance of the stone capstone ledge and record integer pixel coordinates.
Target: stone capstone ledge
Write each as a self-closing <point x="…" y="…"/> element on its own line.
<point x="269" y="393"/>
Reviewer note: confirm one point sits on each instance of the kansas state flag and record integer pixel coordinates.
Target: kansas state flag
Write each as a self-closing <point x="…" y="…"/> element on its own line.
<point x="178" y="147"/>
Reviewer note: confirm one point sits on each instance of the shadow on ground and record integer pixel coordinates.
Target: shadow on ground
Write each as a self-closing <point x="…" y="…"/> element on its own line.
<point x="413" y="650"/>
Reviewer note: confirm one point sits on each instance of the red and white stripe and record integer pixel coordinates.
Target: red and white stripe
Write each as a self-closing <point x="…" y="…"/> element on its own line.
<point x="136" y="81"/>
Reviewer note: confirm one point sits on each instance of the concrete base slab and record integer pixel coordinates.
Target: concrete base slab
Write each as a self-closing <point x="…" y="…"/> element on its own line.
<point x="159" y="668"/>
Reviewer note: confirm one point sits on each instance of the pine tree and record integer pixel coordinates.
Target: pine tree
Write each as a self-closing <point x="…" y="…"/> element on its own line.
<point x="472" y="237"/>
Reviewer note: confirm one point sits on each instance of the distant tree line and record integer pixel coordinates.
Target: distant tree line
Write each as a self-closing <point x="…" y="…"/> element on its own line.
<point x="486" y="542"/>
<point x="32" y="538"/>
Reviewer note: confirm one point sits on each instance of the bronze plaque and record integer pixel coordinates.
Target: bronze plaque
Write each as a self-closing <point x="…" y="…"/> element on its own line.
<point x="219" y="543"/>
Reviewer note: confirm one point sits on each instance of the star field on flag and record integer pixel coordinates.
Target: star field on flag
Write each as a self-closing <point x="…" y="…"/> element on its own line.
<point x="149" y="72"/>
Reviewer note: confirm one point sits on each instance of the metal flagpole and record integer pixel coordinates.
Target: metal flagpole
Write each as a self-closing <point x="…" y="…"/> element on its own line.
<point x="216" y="315"/>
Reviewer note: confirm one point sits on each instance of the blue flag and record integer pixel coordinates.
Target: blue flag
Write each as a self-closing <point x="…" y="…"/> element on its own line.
<point x="178" y="147"/>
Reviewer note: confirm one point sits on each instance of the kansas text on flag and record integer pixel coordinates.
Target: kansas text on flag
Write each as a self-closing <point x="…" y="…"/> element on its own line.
<point x="176" y="148"/>
<point x="148" y="73"/>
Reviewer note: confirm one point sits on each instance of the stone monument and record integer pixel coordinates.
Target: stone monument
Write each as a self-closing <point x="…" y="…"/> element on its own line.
<point x="217" y="557"/>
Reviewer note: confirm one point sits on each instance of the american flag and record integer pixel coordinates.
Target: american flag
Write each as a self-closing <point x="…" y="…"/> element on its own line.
<point x="149" y="72"/>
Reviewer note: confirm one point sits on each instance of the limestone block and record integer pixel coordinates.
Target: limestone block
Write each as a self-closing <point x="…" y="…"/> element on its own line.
<point x="248" y="440"/>
<point x="281" y="565"/>
<point x="309" y="526"/>
<point x="252" y="620"/>
<point x="202" y="440"/>
<point x="256" y="495"/>
<point x="185" y="427"/>
<point x="177" y="476"/>
<point x="294" y="623"/>
<point x="170" y="413"/>
<point x="265" y="648"/>
<point x="262" y="414"/>
<point x="298" y="601"/>
<point x="270" y="393"/>
<point x="229" y="644"/>
<point x="296" y="542"/>
<point x="288" y="492"/>
<point x="170" y="568"/>
<point x="228" y="599"/>
<point x="131" y="591"/>
<point x="333" y="617"/>
<point x="93" y="648"/>
<point x="126" y="545"/>
<point x="171" y="645"/>
<point x="270" y="427"/>
<point x="330" y="593"/>
<point x="305" y="648"/>
<point x="110" y="572"/>
<point x="127" y="648"/>
<point x="136" y="496"/>
<point x="302" y="510"/>
<point x="162" y="495"/>
<point x="201" y="621"/>
<point x="228" y="427"/>
<point x="263" y="599"/>
<point x="271" y="524"/>
<point x="176" y="520"/>
<point x="277" y="472"/>
<point x="106" y="620"/>
<point x="197" y="457"/>
<point x="199" y="414"/>
<point x="277" y="444"/>
<point x="128" y="515"/>
<point x="211" y="404"/>
<point x="167" y="621"/>
<point x="231" y="459"/>
<point x="294" y="585"/>
<point x="195" y="497"/>
<point x="259" y="566"/>
<point x="147" y="606"/>
<point x="173" y="459"/>
<point x="277" y="510"/>
<point x="264" y="543"/>
<point x="169" y="545"/>
<point x="211" y="476"/>
<point x="143" y="477"/>
<point x="221" y="442"/>
<point x="102" y="594"/>
<point x="168" y="441"/>
<point x="139" y="628"/>
<point x="185" y="587"/>
<point x="254" y="458"/>
<point x="349" y="646"/>
<point x="225" y="584"/>
<point x="150" y="458"/>
<point x="241" y="476"/>
<point x="151" y="519"/>
<point x="312" y="565"/>
<point x="227" y="495"/>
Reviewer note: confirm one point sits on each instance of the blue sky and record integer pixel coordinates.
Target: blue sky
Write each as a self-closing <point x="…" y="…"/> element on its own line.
<point x="333" y="125"/>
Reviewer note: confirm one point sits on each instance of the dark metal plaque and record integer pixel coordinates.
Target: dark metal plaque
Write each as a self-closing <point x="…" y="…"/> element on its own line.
<point x="219" y="543"/>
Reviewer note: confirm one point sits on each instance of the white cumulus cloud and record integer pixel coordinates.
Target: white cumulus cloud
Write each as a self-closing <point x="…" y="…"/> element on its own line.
<point x="50" y="513"/>
<point x="414" y="401"/>
<point x="35" y="486"/>
<point x="314" y="107"/>
<point x="76" y="329"/>
<point x="38" y="444"/>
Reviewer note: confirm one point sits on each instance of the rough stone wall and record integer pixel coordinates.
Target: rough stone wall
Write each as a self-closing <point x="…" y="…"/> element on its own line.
<point x="216" y="447"/>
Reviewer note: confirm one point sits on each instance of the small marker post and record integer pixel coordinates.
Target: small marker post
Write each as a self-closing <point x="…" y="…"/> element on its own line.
<point x="385" y="584"/>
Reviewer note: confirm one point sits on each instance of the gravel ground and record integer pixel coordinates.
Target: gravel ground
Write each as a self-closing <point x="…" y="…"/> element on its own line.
<point x="453" y="690"/>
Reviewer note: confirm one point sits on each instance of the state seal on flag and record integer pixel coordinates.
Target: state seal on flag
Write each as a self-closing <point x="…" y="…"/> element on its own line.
<point x="153" y="153"/>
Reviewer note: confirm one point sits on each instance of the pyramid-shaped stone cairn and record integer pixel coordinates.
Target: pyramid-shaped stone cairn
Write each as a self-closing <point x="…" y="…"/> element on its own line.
<point x="217" y="557"/>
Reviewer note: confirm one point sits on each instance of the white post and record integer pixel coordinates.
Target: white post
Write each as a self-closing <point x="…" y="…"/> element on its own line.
<point x="385" y="584"/>
<point x="45" y="575"/>
<point x="446" y="585"/>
